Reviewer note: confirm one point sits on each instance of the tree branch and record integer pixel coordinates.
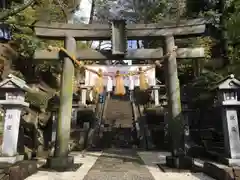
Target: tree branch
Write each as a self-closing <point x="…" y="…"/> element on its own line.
<point x="15" y="11"/>
<point x="61" y="4"/>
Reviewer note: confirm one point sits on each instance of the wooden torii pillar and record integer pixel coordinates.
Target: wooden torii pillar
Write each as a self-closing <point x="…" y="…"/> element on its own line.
<point x="95" y="32"/>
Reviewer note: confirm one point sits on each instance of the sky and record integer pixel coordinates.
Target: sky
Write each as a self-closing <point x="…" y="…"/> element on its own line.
<point x="132" y="44"/>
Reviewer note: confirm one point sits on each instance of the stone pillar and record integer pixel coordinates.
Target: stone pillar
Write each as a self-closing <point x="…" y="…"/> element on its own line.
<point x="231" y="135"/>
<point x="172" y="93"/>
<point x="61" y="160"/>
<point x="177" y="160"/>
<point x="11" y="129"/>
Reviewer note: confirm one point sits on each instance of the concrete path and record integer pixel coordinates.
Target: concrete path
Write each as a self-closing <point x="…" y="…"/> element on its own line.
<point x="119" y="164"/>
<point x="150" y="160"/>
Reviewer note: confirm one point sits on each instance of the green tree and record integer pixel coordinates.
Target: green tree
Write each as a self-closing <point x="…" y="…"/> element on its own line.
<point x="21" y="18"/>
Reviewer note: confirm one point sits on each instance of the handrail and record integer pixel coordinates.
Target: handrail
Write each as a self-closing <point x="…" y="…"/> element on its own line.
<point x="158" y="81"/>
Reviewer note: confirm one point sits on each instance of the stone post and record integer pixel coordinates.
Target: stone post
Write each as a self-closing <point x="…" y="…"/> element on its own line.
<point x="83" y="95"/>
<point x="135" y="113"/>
<point x="156" y="94"/>
<point x="54" y="127"/>
<point x="109" y="89"/>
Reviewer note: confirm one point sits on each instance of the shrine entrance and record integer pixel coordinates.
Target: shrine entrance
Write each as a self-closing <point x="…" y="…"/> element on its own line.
<point x="119" y="32"/>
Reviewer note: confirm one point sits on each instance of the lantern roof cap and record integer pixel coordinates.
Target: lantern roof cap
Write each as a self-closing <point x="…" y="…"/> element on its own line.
<point x="229" y="82"/>
<point x="13" y="82"/>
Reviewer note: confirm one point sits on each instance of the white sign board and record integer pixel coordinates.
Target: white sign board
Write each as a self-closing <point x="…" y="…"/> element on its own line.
<point x="10" y="134"/>
<point x="90" y="77"/>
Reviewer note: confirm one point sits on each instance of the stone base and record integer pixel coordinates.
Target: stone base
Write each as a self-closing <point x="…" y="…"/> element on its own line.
<point x="11" y="160"/>
<point x="183" y="162"/>
<point x="60" y="163"/>
<point x="230" y="162"/>
<point x="219" y="171"/>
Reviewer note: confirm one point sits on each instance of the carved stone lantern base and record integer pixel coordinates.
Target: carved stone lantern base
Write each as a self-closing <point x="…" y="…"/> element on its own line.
<point x="12" y="159"/>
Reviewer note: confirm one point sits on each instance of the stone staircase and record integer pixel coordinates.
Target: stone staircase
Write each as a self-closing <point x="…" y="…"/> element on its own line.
<point x="213" y="141"/>
<point x="118" y="122"/>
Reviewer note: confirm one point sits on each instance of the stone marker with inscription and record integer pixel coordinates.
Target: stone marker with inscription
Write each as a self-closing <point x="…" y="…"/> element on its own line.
<point x="13" y="102"/>
<point x="228" y="99"/>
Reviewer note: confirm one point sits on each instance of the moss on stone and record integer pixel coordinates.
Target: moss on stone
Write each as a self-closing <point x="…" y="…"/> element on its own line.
<point x="39" y="99"/>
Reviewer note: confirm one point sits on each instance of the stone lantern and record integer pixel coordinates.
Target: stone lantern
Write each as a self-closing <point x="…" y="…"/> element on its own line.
<point x="227" y="99"/>
<point x="12" y="92"/>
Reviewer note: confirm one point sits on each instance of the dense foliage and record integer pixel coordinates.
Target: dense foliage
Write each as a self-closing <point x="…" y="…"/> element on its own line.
<point x="22" y="17"/>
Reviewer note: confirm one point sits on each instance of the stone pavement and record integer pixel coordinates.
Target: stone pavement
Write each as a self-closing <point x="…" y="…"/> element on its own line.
<point x="87" y="162"/>
<point x="151" y="159"/>
<point x="119" y="164"/>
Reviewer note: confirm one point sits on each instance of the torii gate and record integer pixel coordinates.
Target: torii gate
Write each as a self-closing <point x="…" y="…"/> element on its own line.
<point x="118" y="33"/>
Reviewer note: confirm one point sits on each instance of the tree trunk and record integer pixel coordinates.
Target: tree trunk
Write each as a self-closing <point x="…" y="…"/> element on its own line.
<point x="224" y="39"/>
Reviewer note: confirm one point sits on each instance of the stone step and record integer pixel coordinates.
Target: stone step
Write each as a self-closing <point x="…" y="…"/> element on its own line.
<point x="118" y="137"/>
<point x="118" y="123"/>
<point x="119" y="111"/>
<point x="219" y="150"/>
